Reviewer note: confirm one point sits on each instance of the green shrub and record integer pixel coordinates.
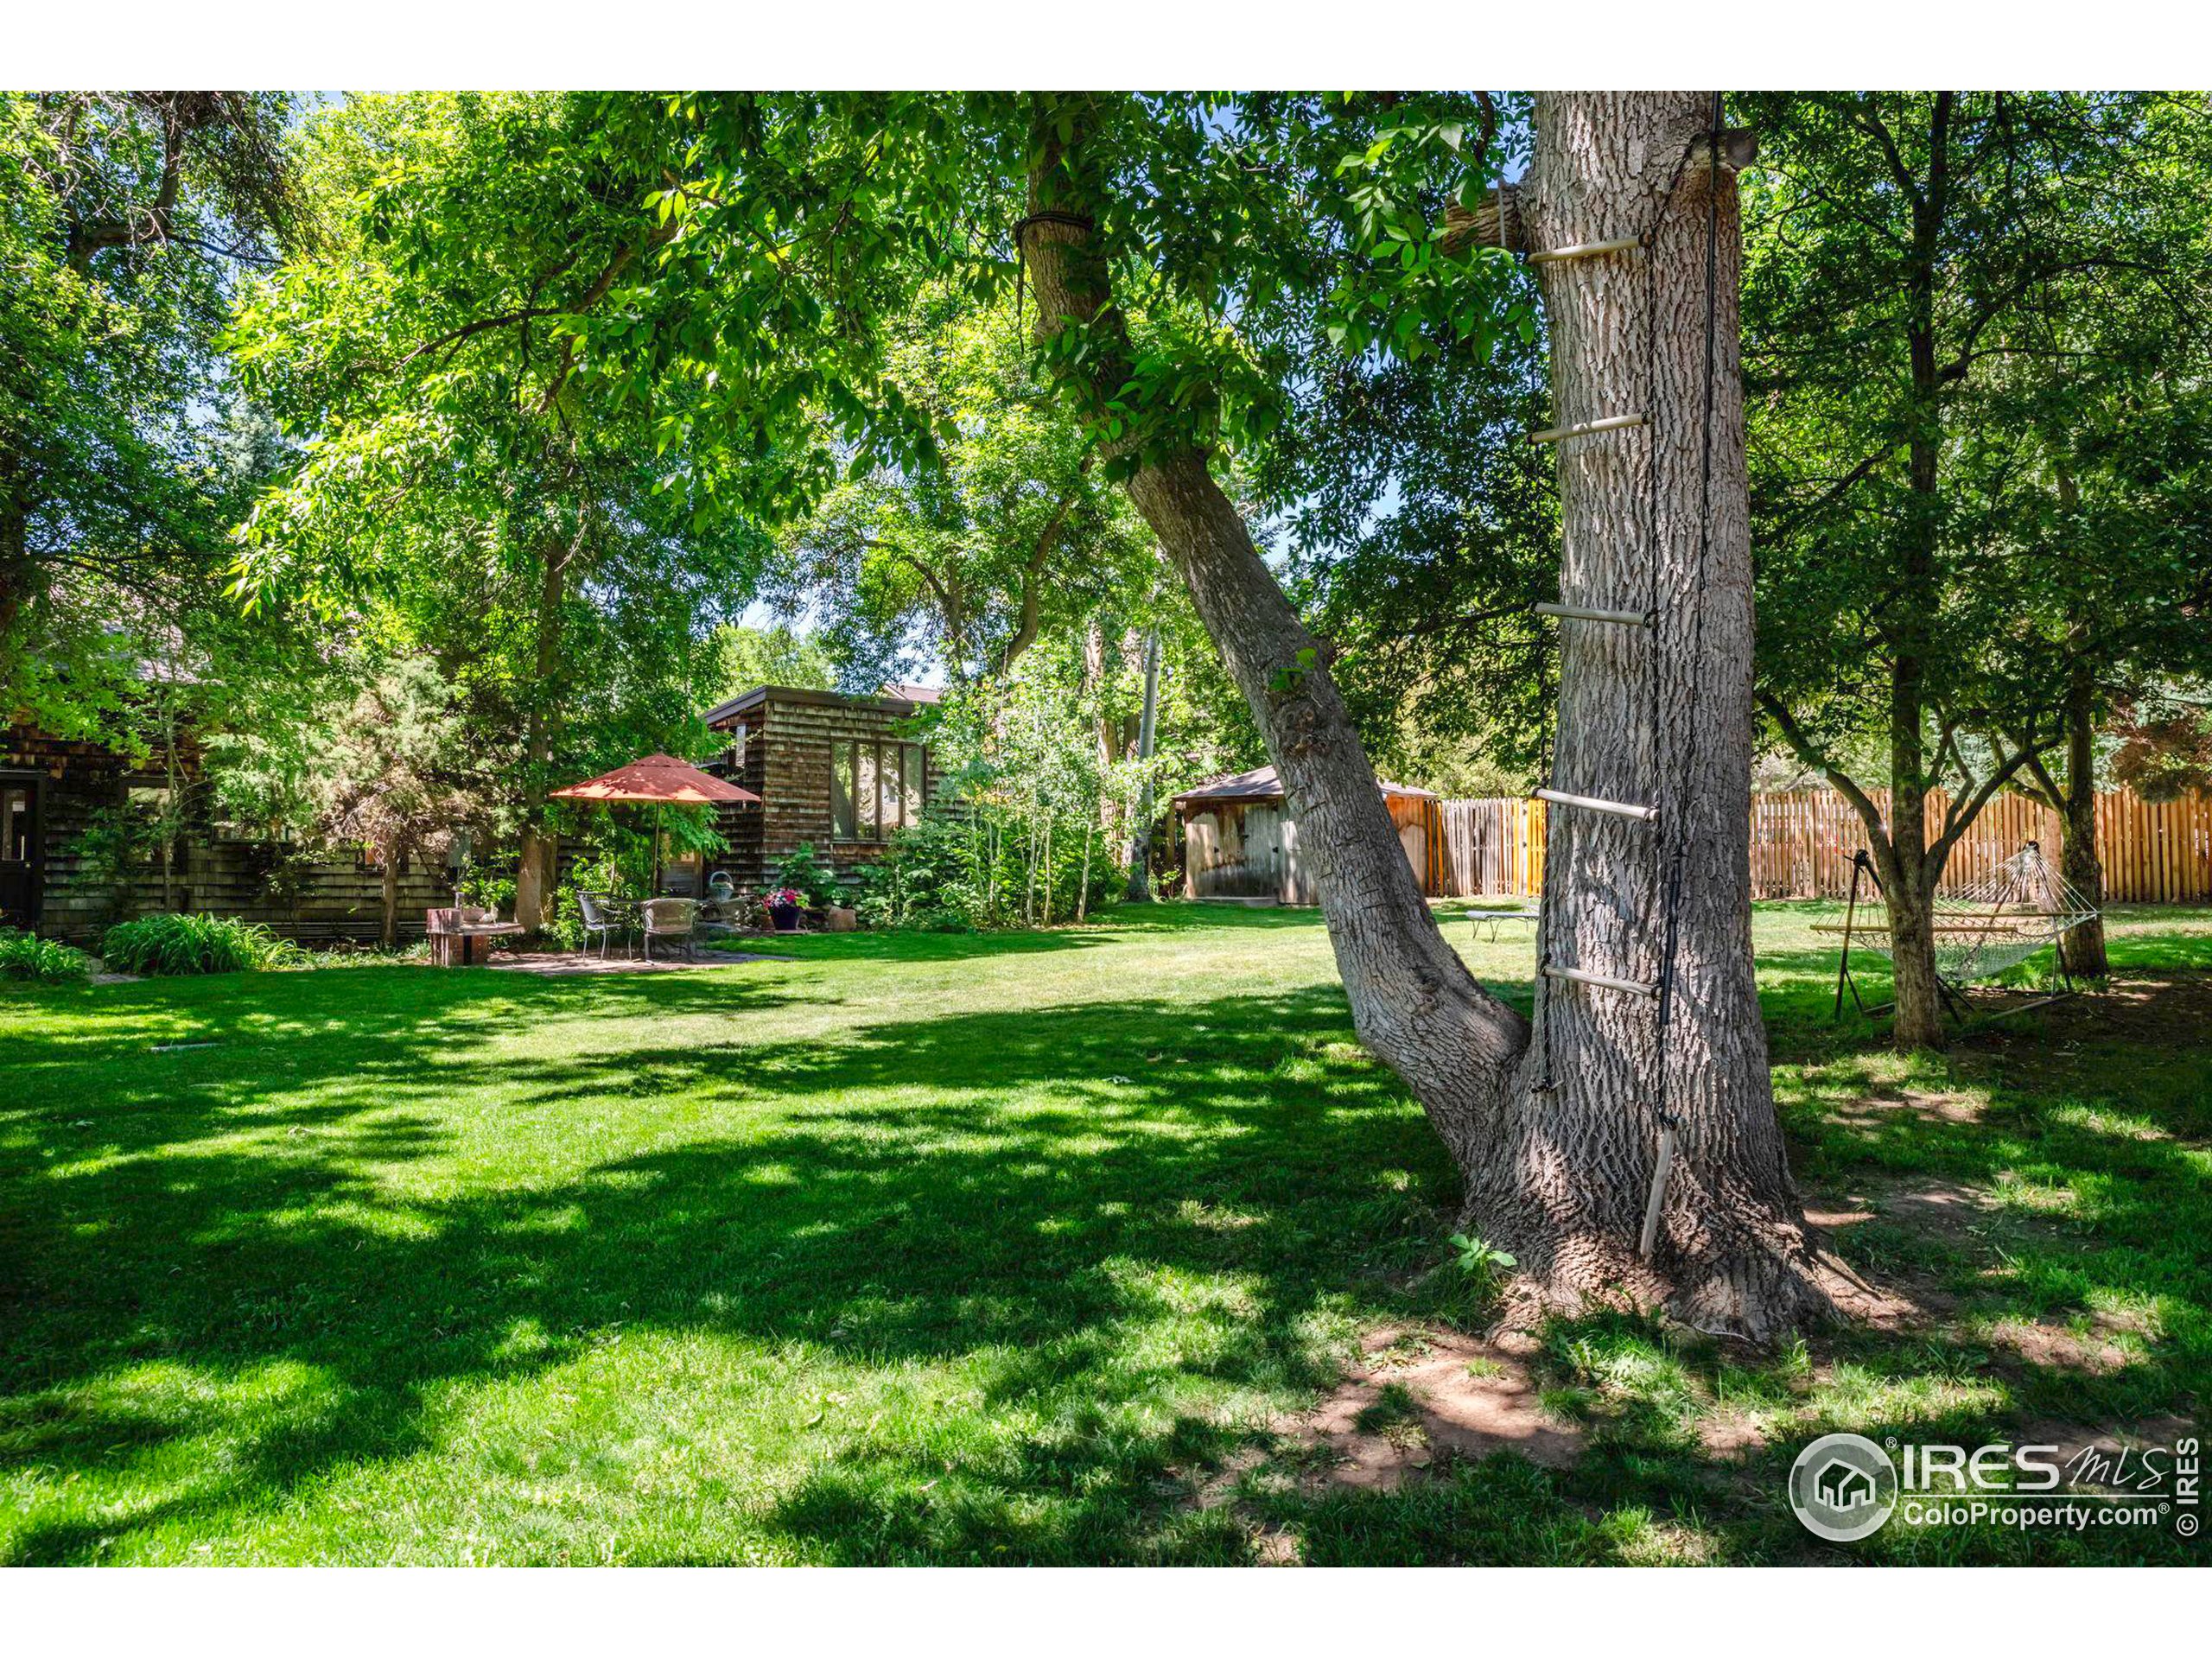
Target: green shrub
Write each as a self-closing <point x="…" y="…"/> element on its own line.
<point x="800" y="868"/>
<point x="194" y="945"/>
<point x="929" y="877"/>
<point x="25" y="956"/>
<point x="565" y="926"/>
<point x="952" y="874"/>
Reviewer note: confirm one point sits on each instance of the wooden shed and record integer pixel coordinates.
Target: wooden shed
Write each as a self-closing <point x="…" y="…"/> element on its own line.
<point x="842" y="773"/>
<point x="1240" y="838"/>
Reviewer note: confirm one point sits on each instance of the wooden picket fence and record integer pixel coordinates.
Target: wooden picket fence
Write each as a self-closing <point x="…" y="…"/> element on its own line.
<point x="2153" y="852"/>
<point x="1485" y="846"/>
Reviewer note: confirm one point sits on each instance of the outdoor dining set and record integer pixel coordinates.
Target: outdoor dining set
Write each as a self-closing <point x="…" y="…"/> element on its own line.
<point x="636" y="924"/>
<point x="461" y="935"/>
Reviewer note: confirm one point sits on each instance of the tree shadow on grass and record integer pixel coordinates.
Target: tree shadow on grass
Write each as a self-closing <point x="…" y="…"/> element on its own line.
<point x="1107" y="1218"/>
<point x="1035" y="1210"/>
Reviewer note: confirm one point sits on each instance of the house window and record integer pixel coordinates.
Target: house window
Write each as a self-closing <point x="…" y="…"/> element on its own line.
<point x="912" y="773"/>
<point x="156" y="804"/>
<point x="15" y="824"/>
<point x="864" y="791"/>
<point x="875" y="789"/>
<point x="842" y="823"/>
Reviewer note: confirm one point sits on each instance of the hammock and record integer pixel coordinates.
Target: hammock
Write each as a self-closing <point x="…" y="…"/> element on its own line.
<point x="2020" y="908"/>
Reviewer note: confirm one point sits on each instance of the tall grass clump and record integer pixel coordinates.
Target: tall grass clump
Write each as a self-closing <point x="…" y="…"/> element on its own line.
<point x="49" y="962"/>
<point x="195" y="944"/>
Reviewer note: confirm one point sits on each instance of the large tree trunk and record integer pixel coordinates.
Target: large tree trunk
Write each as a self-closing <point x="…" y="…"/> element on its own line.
<point x="1909" y="877"/>
<point x="539" y="869"/>
<point x="535" y="877"/>
<point x="388" y="887"/>
<point x="2082" y="949"/>
<point x="1562" y="1172"/>
<point x="15" y="573"/>
<point x="1559" y="1175"/>
<point x="1919" y="1022"/>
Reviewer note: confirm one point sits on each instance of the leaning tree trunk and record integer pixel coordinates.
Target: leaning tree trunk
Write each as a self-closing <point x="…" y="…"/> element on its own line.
<point x="1556" y="1174"/>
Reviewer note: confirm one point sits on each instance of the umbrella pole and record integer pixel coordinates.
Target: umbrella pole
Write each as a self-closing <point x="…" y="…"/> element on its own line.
<point x="657" y="810"/>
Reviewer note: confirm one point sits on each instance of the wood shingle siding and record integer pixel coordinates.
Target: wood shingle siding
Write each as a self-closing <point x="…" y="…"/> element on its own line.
<point x="74" y="781"/>
<point x="791" y="738"/>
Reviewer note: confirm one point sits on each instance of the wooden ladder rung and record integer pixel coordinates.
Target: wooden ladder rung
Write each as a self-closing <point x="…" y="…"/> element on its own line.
<point x="1606" y="981"/>
<point x="1591" y="803"/>
<point x="1586" y="613"/>
<point x="1584" y="249"/>
<point x="1583" y="429"/>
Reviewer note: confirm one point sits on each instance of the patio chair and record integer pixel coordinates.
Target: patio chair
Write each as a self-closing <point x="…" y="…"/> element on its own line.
<point x="669" y="918"/>
<point x="603" y="919"/>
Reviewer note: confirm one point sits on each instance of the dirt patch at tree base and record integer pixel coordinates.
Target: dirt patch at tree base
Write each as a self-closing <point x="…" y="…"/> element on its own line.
<point x="1420" y="1397"/>
<point x="2173" y="1008"/>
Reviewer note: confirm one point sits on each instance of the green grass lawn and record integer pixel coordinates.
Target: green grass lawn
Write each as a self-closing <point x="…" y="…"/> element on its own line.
<point x="1020" y="1249"/>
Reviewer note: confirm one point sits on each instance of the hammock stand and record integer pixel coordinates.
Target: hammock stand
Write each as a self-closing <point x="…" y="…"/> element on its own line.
<point x="2020" y="908"/>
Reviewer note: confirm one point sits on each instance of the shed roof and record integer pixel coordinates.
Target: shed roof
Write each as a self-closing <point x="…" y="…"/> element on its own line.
<point x="1262" y="784"/>
<point x="907" y="699"/>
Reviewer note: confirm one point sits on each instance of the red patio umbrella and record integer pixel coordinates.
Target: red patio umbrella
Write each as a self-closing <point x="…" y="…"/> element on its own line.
<point x="661" y="780"/>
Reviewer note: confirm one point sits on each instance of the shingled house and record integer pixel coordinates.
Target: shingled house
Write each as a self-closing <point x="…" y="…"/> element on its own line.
<point x="842" y="773"/>
<point x="53" y="791"/>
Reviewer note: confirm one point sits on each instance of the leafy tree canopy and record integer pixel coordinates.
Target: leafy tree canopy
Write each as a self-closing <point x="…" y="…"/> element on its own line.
<point x="123" y="219"/>
<point x="1973" y="332"/>
<point x="460" y="492"/>
<point x="1014" y="533"/>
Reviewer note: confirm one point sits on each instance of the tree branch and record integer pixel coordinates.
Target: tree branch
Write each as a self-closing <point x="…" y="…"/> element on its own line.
<point x="1841" y="781"/>
<point x="1957" y="822"/>
<point x="481" y="325"/>
<point x="1026" y="629"/>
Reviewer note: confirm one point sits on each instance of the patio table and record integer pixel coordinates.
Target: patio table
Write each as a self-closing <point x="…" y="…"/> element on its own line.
<point x="456" y="943"/>
<point x="1493" y="918"/>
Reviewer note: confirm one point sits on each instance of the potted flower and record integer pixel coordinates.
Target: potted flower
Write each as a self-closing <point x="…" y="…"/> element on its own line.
<point x="783" y="906"/>
<point x="817" y="887"/>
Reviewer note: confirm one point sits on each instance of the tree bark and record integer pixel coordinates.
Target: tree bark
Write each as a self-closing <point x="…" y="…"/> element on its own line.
<point x="1139" y="891"/>
<point x="1909" y="876"/>
<point x="1033" y="575"/>
<point x="538" y="869"/>
<point x="1919" y="1020"/>
<point x="1557" y="1175"/>
<point x="1564" y="1171"/>
<point x="2082" y="949"/>
<point x="16" y="574"/>
<point x="388" y="883"/>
